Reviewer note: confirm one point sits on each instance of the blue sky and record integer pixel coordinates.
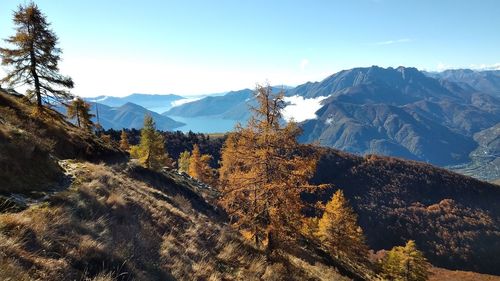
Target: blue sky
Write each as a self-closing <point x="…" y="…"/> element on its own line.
<point x="200" y="47"/>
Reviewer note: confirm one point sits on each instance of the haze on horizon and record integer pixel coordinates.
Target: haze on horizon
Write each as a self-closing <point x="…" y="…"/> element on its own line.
<point x="199" y="47"/>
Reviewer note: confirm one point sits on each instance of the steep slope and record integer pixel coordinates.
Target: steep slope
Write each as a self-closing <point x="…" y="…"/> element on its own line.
<point x="156" y="103"/>
<point x="30" y="146"/>
<point x="454" y="219"/>
<point x="124" y="222"/>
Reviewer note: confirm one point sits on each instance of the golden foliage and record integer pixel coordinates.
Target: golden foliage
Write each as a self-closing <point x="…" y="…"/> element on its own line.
<point x="199" y="166"/>
<point x="406" y="264"/>
<point x="263" y="172"/>
<point x="80" y="110"/>
<point x="183" y="161"/>
<point x="151" y="150"/>
<point x="338" y="229"/>
<point x="124" y="145"/>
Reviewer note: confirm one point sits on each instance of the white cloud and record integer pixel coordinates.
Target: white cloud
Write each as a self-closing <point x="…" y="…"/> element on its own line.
<point x="442" y="66"/>
<point x="186" y="100"/>
<point x="304" y="63"/>
<point x="390" y="42"/>
<point x="495" y="66"/>
<point x="301" y="109"/>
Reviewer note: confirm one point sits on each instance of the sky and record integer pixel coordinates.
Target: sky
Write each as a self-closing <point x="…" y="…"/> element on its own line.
<point x="119" y="47"/>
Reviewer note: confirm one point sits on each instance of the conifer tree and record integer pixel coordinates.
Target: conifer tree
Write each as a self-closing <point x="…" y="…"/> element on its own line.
<point x="194" y="163"/>
<point x="183" y="161"/>
<point x="338" y="229"/>
<point x="151" y="149"/>
<point x="263" y="172"/>
<point x="80" y="110"/>
<point x="124" y="145"/>
<point x="199" y="166"/>
<point x="405" y="263"/>
<point x="34" y="57"/>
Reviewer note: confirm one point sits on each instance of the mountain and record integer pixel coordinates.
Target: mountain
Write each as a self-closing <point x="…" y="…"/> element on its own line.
<point x="398" y="112"/>
<point x="487" y="81"/>
<point x="156" y="103"/>
<point x="128" y="115"/>
<point x="234" y="106"/>
<point x="131" y="116"/>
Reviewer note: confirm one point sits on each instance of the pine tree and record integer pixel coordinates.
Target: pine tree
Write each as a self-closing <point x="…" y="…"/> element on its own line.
<point x="263" y="172"/>
<point x="34" y="58"/>
<point x="199" y="166"/>
<point x="338" y="229"/>
<point x="151" y="149"/>
<point x="124" y="141"/>
<point x="80" y="110"/>
<point x="405" y="263"/>
<point x="183" y="161"/>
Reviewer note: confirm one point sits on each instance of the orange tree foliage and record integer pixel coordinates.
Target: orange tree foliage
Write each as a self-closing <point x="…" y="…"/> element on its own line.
<point x="199" y="166"/>
<point x="338" y="229"/>
<point x="263" y="172"/>
<point x="124" y="145"/>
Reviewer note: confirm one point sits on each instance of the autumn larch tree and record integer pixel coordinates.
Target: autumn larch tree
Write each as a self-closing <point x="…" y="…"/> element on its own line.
<point x="79" y="110"/>
<point x="263" y="173"/>
<point x="199" y="166"/>
<point x="183" y="161"/>
<point x="124" y="145"/>
<point x="338" y="229"/>
<point x="405" y="263"/>
<point x="34" y="57"/>
<point x="151" y="149"/>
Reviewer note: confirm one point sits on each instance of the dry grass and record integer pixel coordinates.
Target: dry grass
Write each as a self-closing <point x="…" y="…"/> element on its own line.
<point x="108" y="226"/>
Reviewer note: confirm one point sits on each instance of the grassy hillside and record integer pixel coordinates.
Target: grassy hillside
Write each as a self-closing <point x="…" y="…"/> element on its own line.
<point x="31" y="145"/>
<point x="454" y="219"/>
<point x="128" y="223"/>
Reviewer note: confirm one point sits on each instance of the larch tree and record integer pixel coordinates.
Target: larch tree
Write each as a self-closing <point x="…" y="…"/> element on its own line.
<point x="79" y="110"/>
<point x="199" y="166"/>
<point x="124" y="145"/>
<point x="151" y="149"/>
<point x="183" y="161"/>
<point x="405" y="263"/>
<point x="34" y="57"/>
<point x="263" y="173"/>
<point x="338" y="229"/>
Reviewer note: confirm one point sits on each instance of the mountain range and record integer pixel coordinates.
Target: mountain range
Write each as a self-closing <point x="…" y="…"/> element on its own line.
<point x="128" y="115"/>
<point x="445" y="118"/>
<point x="156" y="103"/>
<point x="404" y="112"/>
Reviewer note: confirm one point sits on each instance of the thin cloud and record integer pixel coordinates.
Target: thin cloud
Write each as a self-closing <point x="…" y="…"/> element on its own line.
<point x="495" y="66"/>
<point x="391" y="42"/>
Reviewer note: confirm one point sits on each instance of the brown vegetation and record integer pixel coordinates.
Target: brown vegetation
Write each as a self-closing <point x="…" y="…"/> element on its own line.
<point x="454" y="219"/>
<point x="30" y="146"/>
<point x="110" y="226"/>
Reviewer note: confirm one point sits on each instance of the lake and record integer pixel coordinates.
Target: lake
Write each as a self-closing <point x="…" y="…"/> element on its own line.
<point x="205" y="124"/>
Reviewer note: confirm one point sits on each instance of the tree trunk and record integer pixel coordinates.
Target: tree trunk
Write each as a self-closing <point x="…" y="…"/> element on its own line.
<point x="271" y="243"/>
<point x="34" y="73"/>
